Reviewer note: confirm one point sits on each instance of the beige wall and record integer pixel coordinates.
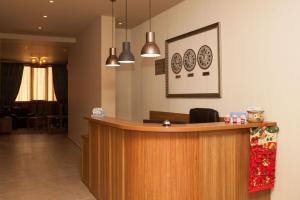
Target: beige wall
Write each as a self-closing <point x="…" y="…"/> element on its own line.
<point x="84" y="72"/>
<point x="108" y="77"/>
<point x="123" y="81"/>
<point x="260" y="66"/>
<point x="91" y="84"/>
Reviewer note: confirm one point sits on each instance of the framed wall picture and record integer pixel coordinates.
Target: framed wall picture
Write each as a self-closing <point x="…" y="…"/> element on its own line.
<point x="193" y="64"/>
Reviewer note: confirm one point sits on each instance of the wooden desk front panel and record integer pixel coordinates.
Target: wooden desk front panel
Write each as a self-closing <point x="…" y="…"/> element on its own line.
<point x="106" y="173"/>
<point x="85" y="160"/>
<point x="135" y="165"/>
<point x="188" y="166"/>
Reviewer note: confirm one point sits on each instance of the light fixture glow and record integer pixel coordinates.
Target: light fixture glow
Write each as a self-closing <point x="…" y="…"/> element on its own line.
<point x="112" y="60"/>
<point x="40" y="28"/>
<point x="34" y="60"/>
<point x="126" y="55"/>
<point x="150" y="48"/>
<point x="51" y="1"/>
<point x="45" y="16"/>
<point x="120" y="23"/>
<point x="39" y="60"/>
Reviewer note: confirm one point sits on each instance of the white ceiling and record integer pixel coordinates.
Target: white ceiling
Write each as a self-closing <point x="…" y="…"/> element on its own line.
<point x="24" y="50"/>
<point x="68" y="18"/>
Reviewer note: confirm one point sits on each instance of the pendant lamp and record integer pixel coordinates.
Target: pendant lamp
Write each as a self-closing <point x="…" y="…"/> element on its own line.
<point x="112" y="60"/>
<point x="126" y="56"/>
<point x="150" y="49"/>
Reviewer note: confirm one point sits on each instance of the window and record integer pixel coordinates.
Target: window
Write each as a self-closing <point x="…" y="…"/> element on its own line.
<point x="25" y="88"/>
<point x="37" y="84"/>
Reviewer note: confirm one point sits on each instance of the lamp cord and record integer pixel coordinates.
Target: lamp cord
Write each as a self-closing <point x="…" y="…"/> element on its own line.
<point x="126" y="20"/>
<point x="150" y="14"/>
<point x="112" y="23"/>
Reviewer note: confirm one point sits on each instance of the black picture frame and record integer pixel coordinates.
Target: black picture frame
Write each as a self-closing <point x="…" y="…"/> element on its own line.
<point x="186" y="35"/>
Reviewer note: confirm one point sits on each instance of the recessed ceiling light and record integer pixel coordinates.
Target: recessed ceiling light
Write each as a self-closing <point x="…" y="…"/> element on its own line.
<point x="40" y="28"/>
<point x="51" y="1"/>
<point x="45" y="16"/>
<point x="120" y="23"/>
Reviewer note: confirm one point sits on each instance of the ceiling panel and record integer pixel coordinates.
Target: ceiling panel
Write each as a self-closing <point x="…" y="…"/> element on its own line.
<point x="23" y="51"/>
<point x="69" y="18"/>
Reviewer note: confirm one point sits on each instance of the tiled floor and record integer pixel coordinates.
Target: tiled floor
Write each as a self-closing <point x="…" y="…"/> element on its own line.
<point x="40" y="166"/>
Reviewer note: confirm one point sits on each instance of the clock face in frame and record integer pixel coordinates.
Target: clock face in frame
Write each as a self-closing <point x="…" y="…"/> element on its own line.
<point x="189" y="60"/>
<point x="204" y="57"/>
<point x="176" y="63"/>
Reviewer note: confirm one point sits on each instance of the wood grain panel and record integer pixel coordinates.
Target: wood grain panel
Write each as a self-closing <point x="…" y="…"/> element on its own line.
<point x="184" y="170"/>
<point x="211" y="166"/>
<point x="143" y="165"/>
<point x="117" y="164"/>
<point x="85" y="160"/>
<point x="93" y="160"/>
<point x="146" y="163"/>
<point x="104" y="187"/>
<point x="106" y="171"/>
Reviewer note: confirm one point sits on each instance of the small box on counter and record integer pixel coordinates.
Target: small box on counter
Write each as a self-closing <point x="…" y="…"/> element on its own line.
<point x="236" y="117"/>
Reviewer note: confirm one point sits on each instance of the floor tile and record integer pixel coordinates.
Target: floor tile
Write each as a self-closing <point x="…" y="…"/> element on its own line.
<point x="40" y="166"/>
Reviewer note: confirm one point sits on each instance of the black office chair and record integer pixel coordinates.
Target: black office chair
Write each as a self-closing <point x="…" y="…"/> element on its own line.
<point x="203" y="115"/>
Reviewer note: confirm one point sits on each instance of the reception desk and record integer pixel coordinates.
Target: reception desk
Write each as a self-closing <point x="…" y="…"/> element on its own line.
<point x="124" y="160"/>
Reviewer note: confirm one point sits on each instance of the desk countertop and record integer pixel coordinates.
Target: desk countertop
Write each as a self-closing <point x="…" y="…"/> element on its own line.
<point x="144" y="127"/>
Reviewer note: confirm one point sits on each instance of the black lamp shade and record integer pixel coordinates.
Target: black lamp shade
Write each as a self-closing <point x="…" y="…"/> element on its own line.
<point x="126" y="56"/>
